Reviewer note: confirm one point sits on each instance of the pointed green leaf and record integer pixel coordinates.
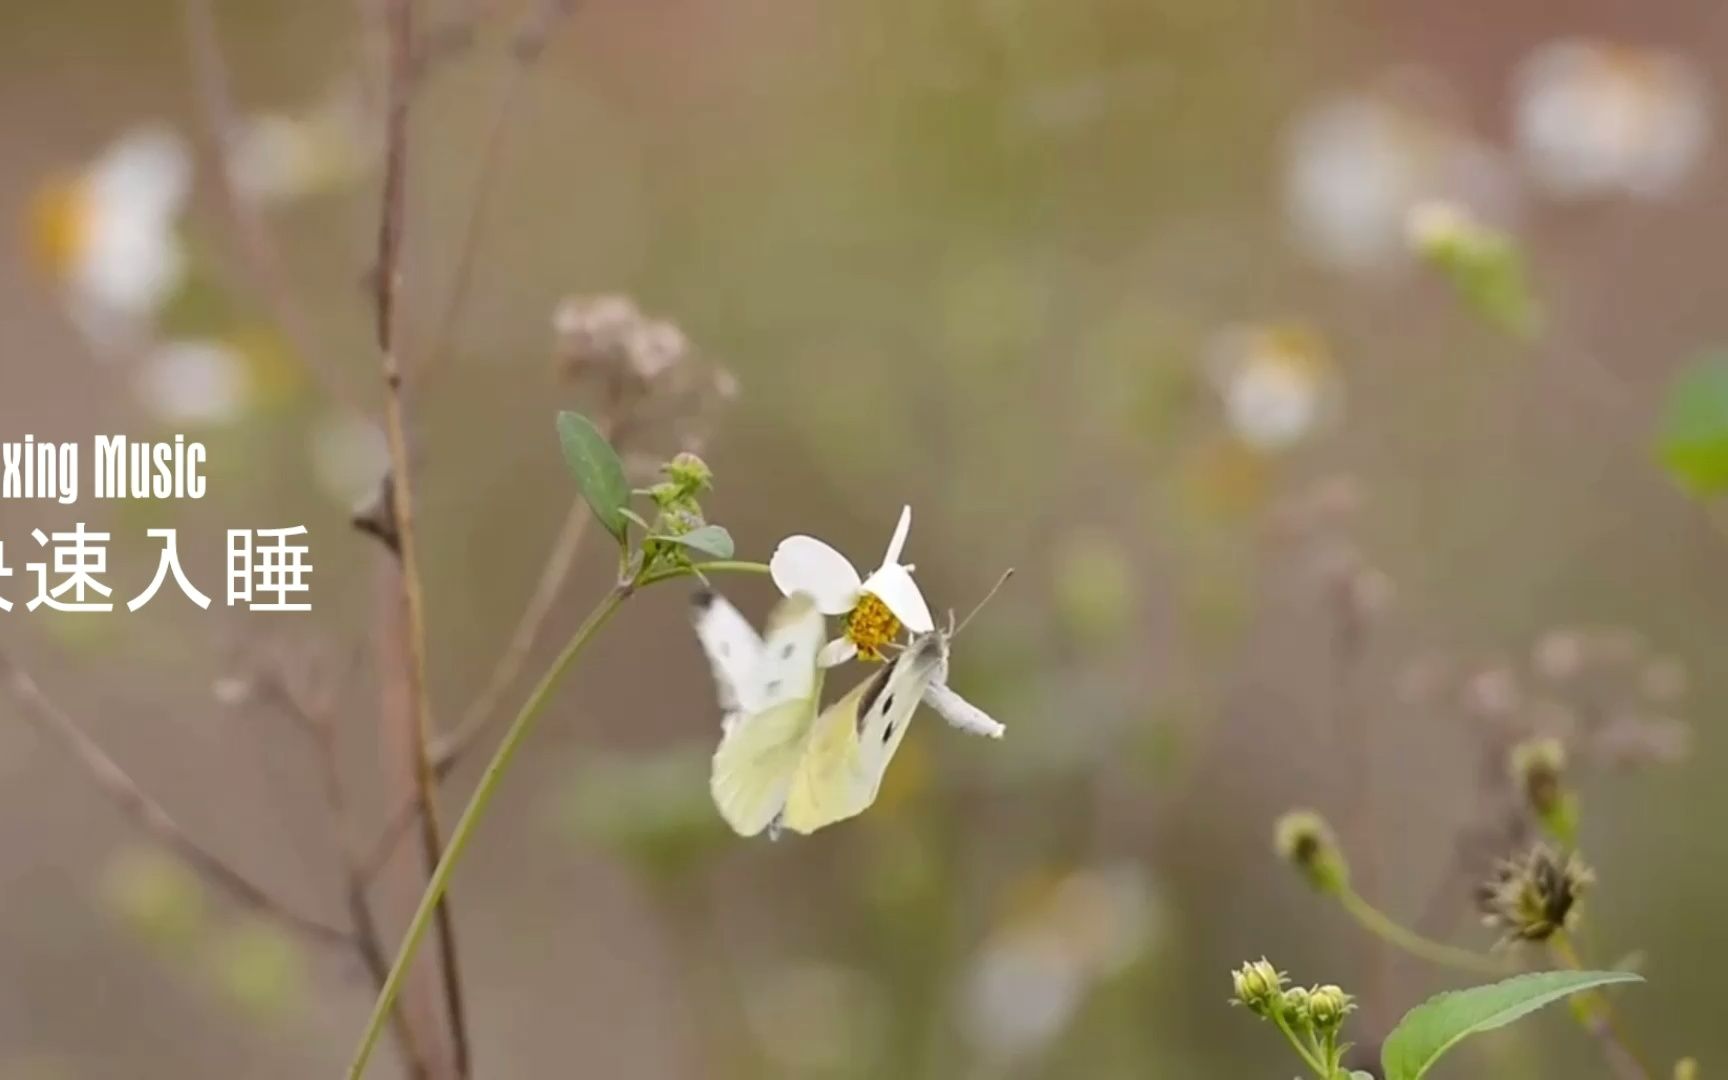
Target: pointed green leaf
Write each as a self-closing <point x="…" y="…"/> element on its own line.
<point x="1693" y="441"/>
<point x="599" y="473"/>
<point x="1440" y="1023"/>
<point x="710" y="540"/>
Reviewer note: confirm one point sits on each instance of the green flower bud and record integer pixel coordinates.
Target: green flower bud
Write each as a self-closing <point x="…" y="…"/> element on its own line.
<point x="1538" y="767"/>
<point x="690" y="473"/>
<point x="1293" y="1009"/>
<point x="1327" y="1008"/>
<point x="1259" y="986"/>
<point x="1304" y="840"/>
<point x="1482" y="263"/>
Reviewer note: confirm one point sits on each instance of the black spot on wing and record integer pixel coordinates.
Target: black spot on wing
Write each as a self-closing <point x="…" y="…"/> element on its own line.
<point x="786" y="653"/>
<point x="878" y="683"/>
<point x="773" y="686"/>
<point x="887" y="733"/>
<point x="703" y="599"/>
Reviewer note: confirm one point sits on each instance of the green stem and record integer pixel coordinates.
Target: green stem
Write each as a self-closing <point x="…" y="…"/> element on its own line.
<point x="1301" y="1046"/>
<point x="719" y="566"/>
<point x="1376" y="922"/>
<point x="488" y="786"/>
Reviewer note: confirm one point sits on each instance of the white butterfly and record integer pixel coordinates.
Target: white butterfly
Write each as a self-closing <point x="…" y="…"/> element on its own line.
<point x="782" y="762"/>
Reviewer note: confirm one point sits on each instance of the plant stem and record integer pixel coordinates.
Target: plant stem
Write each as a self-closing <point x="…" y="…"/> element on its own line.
<point x="513" y="739"/>
<point x="1382" y="926"/>
<point x="1301" y="1046"/>
<point x="1597" y="1016"/>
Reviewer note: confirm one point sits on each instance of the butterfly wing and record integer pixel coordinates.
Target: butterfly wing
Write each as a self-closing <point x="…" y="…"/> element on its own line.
<point x="765" y="740"/>
<point x="734" y="650"/>
<point x="961" y="713"/>
<point x="855" y="738"/>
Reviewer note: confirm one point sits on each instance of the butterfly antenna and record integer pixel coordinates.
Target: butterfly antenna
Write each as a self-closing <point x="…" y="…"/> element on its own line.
<point x="994" y="589"/>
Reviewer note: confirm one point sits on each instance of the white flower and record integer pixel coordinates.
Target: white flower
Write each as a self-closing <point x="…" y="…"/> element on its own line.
<point x="875" y="607"/>
<point x="109" y="234"/>
<point x="1595" y="119"/>
<point x="279" y="157"/>
<point x="1274" y="384"/>
<point x="1356" y="164"/>
<point x="350" y="457"/>
<point x="203" y="382"/>
<point x="1033" y="973"/>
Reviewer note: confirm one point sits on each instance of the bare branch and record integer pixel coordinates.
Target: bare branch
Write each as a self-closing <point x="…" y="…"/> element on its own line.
<point x="149" y="815"/>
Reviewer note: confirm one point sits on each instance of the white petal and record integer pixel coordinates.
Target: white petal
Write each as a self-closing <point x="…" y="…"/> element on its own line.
<point x="961" y="713"/>
<point x="894" y="586"/>
<point x="898" y="543"/>
<point x="835" y="653"/>
<point x="807" y="565"/>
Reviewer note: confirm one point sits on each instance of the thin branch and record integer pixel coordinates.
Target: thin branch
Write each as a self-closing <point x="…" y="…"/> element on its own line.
<point x="399" y="17"/>
<point x="150" y="815"/>
<point x="529" y="45"/>
<point x="318" y="723"/>
<point x="257" y="244"/>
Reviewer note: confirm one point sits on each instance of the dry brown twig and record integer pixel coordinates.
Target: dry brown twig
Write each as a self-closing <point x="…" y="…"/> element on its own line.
<point x="257" y="243"/>
<point x="401" y="539"/>
<point x="152" y="817"/>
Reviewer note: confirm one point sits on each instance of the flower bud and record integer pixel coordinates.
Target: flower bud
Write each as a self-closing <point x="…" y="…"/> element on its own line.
<point x="1293" y="1009"/>
<point x="1259" y="986"/>
<point x="1304" y="840"/>
<point x="1539" y="770"/>
<point x="1327" y="1008"/>
<point x="690" y="473"/>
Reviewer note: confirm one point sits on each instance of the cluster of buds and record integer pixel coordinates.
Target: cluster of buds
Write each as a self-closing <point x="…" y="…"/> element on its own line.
<point x="1534" y="896"/>
<point x="1304" y="840"/>
<point x="680" y="512"/>
<point x="641" y="362"/>
<point x="1260" y="988"/>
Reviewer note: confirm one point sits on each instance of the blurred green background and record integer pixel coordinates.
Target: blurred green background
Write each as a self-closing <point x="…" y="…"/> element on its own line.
<point x="979" y="256"/>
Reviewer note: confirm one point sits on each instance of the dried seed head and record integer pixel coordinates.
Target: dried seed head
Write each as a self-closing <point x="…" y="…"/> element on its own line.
<point x="1534" y="896"/>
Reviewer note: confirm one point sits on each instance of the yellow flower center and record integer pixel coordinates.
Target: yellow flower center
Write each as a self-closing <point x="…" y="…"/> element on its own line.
<point x="59" y="224"/>
<point x="871" y="626"/>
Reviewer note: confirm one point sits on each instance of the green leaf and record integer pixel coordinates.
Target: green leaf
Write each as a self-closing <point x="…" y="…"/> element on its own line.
<point x="599" y="473"/>
<point x="710" y="540"/>
<point x="1693" y="441"/>
<point x="1440" y="1023"/>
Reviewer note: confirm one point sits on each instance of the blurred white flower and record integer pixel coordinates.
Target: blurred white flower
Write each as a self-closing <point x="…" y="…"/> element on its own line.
<point x="194" y="382"/>
<point x="278" y="157"/>
<point x="1356" y="164"/>
<point x="1034" y="972"/>
<point x="350" y="457"/>
<point x="109" y="236"/>
<point x="1276" y="385"/>
<point x="875" y="607"/>
<point x="1595" y="119"/>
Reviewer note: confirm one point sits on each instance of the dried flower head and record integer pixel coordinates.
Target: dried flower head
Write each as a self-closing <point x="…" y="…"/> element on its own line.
<point x="1534" y="896"/>
<point x="1304" y="840"/>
